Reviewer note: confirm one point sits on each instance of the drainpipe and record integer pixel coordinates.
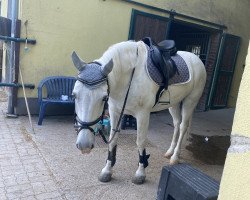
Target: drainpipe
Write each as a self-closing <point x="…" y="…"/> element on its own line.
<point x="170" y="23"/>
<point x="13" y="17"/>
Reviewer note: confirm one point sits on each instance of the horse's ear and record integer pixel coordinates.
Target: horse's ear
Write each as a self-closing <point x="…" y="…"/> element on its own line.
<point x="108" y="67"/>
<point x="78" y="62"/>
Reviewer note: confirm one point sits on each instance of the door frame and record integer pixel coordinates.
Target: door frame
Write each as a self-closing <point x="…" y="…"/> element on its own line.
<point x="217" y="71"/>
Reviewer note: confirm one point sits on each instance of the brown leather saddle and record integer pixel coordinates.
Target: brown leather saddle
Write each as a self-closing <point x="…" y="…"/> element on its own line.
<point x="161" y="57"/>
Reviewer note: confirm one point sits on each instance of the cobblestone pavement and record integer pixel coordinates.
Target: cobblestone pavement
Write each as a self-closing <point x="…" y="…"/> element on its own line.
<point x="24" y="173"/>
<point x="47" y="165"/>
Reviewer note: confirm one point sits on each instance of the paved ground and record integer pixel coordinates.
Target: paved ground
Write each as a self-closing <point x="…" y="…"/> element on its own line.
<point x="47" y="165"/>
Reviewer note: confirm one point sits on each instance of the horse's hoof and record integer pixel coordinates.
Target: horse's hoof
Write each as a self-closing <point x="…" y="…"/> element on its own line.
<point x="168" y="155"/>
<point x="105" y="177"/>
<point x="139" y="180"/>
<point x="174" y="161"/>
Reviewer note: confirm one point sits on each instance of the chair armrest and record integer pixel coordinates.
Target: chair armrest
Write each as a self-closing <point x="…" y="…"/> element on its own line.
<point x="40" y="89"/>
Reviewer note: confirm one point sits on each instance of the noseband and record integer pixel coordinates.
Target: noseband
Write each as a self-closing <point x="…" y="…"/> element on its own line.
<point x="80" y="125"/>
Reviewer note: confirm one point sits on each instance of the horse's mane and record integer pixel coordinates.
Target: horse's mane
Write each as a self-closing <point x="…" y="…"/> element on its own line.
<point x="124" y="55"/>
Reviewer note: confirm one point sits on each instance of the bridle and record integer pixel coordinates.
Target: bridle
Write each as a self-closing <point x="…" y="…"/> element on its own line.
<point x="80" y="125"/>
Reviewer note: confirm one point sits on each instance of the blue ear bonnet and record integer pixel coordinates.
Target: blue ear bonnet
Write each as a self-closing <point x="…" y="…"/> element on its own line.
<point x="92" y="75"/>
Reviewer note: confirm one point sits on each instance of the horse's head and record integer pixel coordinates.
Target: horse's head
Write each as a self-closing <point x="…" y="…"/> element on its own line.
<point x="90" y="92"/>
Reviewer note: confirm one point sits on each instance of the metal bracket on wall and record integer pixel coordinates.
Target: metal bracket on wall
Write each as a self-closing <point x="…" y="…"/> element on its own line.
<point x="24" y="40"/>
<point x="18" y="85"/>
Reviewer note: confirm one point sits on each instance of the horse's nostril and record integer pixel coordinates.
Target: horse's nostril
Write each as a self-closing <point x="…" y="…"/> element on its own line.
<point x="92" y="146"/>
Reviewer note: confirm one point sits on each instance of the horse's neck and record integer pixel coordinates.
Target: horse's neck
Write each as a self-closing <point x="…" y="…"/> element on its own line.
<point x="124" y="58"/>
<point x="119" y="78"/>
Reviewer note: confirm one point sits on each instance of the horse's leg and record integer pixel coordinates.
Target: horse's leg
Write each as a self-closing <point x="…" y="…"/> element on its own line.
<point x="188" y="128"/>
<point x="175" y="112"/>
<point x="188" y="106"/>
<point x="142" y="129"/>
<point x="106" y="173"/>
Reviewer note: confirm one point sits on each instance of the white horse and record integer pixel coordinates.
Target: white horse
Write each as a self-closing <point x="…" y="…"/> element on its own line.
<point x="117" y="64"/>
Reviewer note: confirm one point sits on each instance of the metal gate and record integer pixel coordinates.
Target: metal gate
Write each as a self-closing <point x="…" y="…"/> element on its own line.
<point x="196" y="43"/>
<point x="224" y="71"/>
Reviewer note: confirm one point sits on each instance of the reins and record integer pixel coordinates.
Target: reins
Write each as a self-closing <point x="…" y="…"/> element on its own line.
<point x="80" y="125"/>
<point x="117" y="129"/>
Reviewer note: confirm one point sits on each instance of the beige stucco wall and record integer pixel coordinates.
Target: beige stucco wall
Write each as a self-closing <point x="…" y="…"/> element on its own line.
<point x="235" y="183"/>
<point x="90" y="27"/>
<point x="4" y="5"/>
<point x="61" y="26"/>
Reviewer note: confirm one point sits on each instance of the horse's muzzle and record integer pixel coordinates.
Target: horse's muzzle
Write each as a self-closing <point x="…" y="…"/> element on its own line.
<point x="85" y="150"/>
<point x="85" y="141"/>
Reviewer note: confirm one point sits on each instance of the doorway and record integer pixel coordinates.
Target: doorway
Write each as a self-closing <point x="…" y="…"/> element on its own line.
<point x="190" y="38"/>
<point x="206" y="42"/>
<point x="202" y="41"/>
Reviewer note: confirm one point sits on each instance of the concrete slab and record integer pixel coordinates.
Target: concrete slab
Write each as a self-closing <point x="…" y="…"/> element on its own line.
<point x="57" y="169"/>
<point x="213" y="123"/>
